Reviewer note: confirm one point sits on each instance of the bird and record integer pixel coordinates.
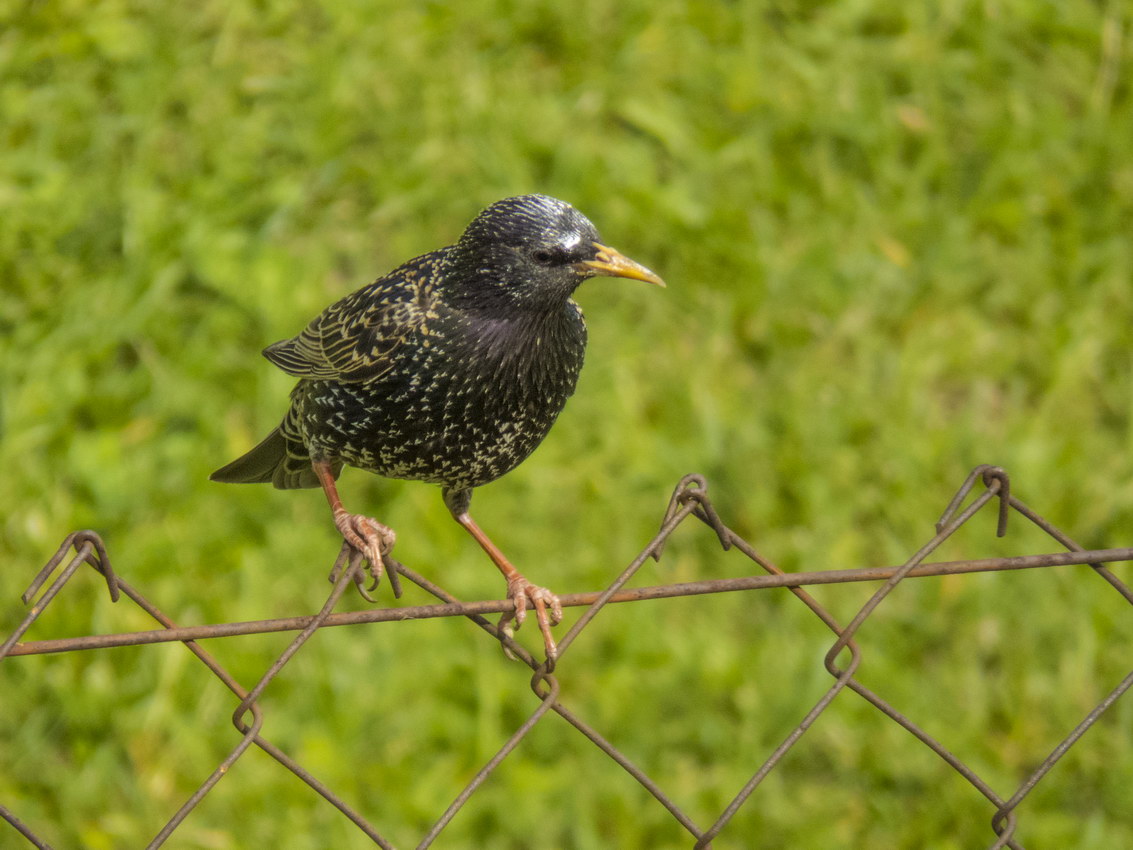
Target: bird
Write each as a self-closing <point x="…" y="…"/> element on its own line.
<point x="450" y="369"/>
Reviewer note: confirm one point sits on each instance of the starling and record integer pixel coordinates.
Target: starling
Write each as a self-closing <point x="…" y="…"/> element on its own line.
<point x="450" y="369"/>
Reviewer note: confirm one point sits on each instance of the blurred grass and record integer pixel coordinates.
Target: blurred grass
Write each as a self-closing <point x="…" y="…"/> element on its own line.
<point x="897" y="242"/>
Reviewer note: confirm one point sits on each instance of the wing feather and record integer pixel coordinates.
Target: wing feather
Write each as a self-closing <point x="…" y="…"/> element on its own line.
<point x="356" y="339"/>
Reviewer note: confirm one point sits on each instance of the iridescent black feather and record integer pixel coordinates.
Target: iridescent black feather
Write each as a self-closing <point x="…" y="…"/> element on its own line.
<point x="450" y="369"/>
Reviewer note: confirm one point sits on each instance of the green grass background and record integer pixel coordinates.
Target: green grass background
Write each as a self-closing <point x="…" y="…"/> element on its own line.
<point x="897" y="241"/>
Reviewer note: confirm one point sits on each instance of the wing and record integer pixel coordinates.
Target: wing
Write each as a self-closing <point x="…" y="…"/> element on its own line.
<point x="356" y="339"/>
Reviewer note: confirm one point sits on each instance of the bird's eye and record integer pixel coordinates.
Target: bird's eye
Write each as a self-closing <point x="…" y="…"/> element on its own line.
<point x="543" y="256"/>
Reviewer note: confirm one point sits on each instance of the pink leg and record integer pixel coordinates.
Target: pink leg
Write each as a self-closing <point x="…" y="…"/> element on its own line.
<point x="519" y="589"/>
<point x="364" y="533"/>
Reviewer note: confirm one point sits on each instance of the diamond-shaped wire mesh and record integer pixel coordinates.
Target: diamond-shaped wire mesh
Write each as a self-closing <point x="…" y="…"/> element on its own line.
<point x="690" y="499"/>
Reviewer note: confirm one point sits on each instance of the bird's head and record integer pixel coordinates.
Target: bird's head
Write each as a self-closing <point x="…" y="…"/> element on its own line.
<point x="533" y="251"/>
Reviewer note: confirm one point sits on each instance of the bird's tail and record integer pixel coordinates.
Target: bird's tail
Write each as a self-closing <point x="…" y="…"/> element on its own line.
<point x="278" y="459"/>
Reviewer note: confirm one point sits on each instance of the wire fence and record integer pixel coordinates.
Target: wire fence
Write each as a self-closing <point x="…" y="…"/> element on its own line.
<point x="690" y="500"/>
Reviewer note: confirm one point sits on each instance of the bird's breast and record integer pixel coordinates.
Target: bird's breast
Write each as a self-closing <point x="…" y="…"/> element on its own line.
<point x="519" y="370"/>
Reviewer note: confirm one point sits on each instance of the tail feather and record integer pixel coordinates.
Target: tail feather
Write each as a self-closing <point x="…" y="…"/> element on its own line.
<point x="282" y="461"/>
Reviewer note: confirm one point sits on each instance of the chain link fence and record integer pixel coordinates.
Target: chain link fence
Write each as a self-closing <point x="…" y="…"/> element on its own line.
<point x="690" y="500"/>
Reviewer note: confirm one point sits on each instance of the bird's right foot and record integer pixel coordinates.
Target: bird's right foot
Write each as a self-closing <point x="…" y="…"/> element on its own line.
<point x="368" y="536"/>
<point x="548" y="612"/>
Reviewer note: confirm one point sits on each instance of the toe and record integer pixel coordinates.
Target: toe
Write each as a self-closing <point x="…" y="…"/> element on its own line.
<point x="517" y="593"/>
<point x="549" y="600"/>
<point x="556" y="610"/>
<point x="374" y="556"/>
<point x="384" y="533"/>
<point x="351" y="537"/>
<point x="520" y="609"/>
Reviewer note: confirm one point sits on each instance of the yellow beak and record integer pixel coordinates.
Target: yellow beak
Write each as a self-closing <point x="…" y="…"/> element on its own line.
<point x="613" y="263"/>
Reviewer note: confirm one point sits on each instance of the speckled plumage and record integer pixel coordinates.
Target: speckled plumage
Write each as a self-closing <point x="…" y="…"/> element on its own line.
<point x="442" y="370"/>
<point x="450" y="369"/>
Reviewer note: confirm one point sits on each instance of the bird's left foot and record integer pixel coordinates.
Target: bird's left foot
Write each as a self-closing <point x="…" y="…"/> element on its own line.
<point x="548" y="611"/>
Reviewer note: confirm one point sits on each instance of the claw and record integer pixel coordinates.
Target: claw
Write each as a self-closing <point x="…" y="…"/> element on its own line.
<point x="369" y="537"/>
<point x="507" y="631"/>
<point x="548" y="611"/>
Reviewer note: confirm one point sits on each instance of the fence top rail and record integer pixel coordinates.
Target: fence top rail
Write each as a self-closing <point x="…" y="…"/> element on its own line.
<point x="490" y="606"/>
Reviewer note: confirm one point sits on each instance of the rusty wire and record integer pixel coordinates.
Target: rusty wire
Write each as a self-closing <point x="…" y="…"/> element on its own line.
<point x="689" y="499"/>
